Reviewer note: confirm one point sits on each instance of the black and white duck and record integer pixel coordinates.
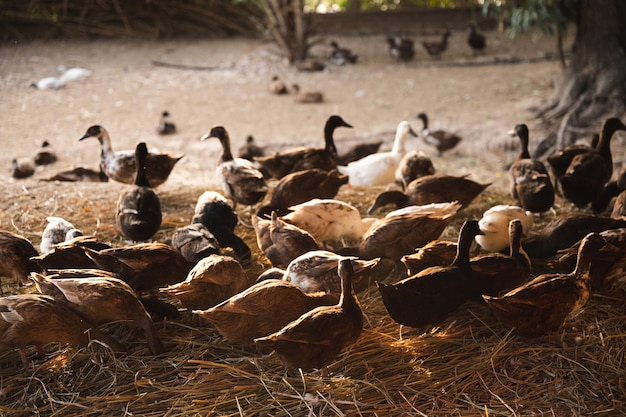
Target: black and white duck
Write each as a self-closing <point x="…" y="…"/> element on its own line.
<point x="22" y="168"/>
<point x="165" y="126"/>
<point x="401" y="49"/>
<point x="302" y="186"/>
<point x="264" y="308"/>
<point x="35" y="319"/>
<point x="138" y="216"/>
<point x="413" y="165"/>
<point x="437" y="188"/>
<point x="435" y="49"/>
<point x="379" y="168"/>
<point x="532" y="187"/>
<point x="99" y="298"/>
<point x="544" y="303"/>
<point x="57" y="230"/>
<point x="341" y="56"/>
<point x="429" y="296"/>
<point x="239" y="178"/>
<point x="442" y="140"/>
<point x="218" y="216"/>
<point x="120" y="165"/>
<point x="315" y="339"/>
<point x="282" y="163"/>
<point x="45" y="155"/>
<point x="590" y="171"/>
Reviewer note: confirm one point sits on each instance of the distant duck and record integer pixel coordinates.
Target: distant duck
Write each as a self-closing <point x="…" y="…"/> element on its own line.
<point x="358" y="151"/>
<point x="79" y="174"/>
<point x="316" y="271"/>
<point x="56" y="231"/>
<point x="429" y="296"/>
<point x="379" y="168"/>
<point x="280" y="241"/>
<point x="302" y="186"/>
<point x="120" y="165"/>
<point x="435" y="49"/>
<point x="307" y="96"/>
<point x="403" y="230"/>
<point x="282" y="163"/>
<point x="99" y="299"/>
<point x="212" y="280"/>
<point x="476" y="40"/>
<point x="143" y="266"/>
<point x="532" y="186"/>
<point x="277" y="86"/>
<point x="341" y="56"/>
<point x="559" y="161"/>
<point x="496" y="273"/>
<point x="194" y="242"/>
<point x="494" y="225"/>
<point x="35" y="319"/>
<point x="45" y="155"/>
<point x="400" y="49"/>
<point x="264" y="308"/>
<point x="138" y="216"/>
<point x="589" y="172"/>
<point x="440" y="139"/>
<point x="218" y="216"/>
<point x="22" y="168"/>
<point x="250" y="149"/>
<point x="327" y="220"/>
<point x="309" y="65"/>
<point x="543" y="304"/>
<point x="315" y="339"/>
<point x="165" y="125"/>
<point x="413" y="165"/>
<point x="70" y="254"/>
<point x="565" y="230"/>
<point x="437" y="188"/>
<point x="74" y="73"/>
<point x="16" y="252"/>
<point x="241" y="181"/>
<point x="49" y="83"/>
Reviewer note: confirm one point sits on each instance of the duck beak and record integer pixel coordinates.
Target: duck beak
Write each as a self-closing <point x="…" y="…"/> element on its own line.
<point x="205" y="137"/>
<point x="512" y="133"/>
<point x="412" y="133"/>
<point x="85" y="136"/>
<point x="346" y="125"/>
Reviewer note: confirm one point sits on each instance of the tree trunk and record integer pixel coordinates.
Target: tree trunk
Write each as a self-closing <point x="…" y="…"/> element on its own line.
<point x="593" y="86"/>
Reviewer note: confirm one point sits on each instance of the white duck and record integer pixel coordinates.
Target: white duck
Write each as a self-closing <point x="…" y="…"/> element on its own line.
<point x="379" y="168"/>
<point x="495" y="226"/>
<point x="57" y="231"/>
<point x="327" y="220"/>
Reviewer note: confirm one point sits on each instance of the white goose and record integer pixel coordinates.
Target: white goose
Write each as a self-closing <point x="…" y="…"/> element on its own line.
<point x="379" y="168"/>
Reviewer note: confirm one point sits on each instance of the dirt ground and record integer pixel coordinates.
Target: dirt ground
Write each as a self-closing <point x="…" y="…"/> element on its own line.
<point x="126" y="94"/>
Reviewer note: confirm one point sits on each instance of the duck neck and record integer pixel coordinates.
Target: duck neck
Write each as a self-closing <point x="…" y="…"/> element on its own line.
<point x="329" y="131"/>
<point x="141" y="155"/>
<point x="604" y="144"/>
<point x="398" y="143"/>
<point x="515" y="243"/>
<point x="524" y="153"/>
<point x="347" y="299"/>
<point x="226" y="155"/>
<point x="466" y="236"/>
<point x="105" y="143"/>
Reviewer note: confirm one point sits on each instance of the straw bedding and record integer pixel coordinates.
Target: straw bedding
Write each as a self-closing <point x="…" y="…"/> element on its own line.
<point x="468" y="366"/>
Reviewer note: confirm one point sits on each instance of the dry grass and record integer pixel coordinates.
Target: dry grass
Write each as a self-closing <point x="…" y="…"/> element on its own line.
<point x="470" y="366"/>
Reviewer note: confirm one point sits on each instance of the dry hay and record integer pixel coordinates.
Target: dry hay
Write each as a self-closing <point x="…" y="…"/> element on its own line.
<point x="469" y="365"/>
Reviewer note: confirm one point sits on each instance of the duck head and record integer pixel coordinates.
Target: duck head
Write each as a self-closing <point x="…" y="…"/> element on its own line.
<point x="221" y="134"/>
<point x="95" y="131"/>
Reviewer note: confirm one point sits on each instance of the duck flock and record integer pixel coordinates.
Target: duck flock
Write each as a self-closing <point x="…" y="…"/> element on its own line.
<point x="322" y="250"/>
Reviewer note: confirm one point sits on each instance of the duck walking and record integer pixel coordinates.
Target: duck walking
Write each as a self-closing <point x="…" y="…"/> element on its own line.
<point x="401" y="49"/>
<point x="532" y="186"/>
<point x="435" y="49"/>
<point x="542" y="305"/>
<point x="476" y="40"/>
<point x="442" y="140"/>
<point x="341" y="56"/>
<point x="120" y="165"/>
<point x="138" y="215"/>
<point x="315" y="339"/>
<point x="241" y="181"/>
